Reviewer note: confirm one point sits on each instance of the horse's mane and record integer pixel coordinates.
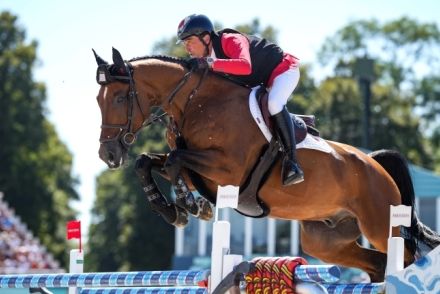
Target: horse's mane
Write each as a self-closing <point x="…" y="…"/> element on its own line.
<point x="184" y="62"/>
<point x="178" y="60"/>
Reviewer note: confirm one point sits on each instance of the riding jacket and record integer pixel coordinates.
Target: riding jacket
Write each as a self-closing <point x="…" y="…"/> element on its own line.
<point x="249" y="59"/>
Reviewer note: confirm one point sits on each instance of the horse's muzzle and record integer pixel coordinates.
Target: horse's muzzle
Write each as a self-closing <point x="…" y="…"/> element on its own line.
<point x="112" y="153"/>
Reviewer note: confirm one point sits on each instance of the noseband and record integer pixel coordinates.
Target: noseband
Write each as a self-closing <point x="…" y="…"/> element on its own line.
<point x="127" y="136"/>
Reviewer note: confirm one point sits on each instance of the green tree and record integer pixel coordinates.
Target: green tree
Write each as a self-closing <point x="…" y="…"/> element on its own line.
<point x="399" y="48"/>
<point x="36" y="170"/>
<point x="428" y="97"/>
<point x="303" y="96"/>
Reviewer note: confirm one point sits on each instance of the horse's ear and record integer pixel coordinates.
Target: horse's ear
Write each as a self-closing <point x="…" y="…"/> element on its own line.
<point x="117" y="59"/>
<point x="99" y="60"/>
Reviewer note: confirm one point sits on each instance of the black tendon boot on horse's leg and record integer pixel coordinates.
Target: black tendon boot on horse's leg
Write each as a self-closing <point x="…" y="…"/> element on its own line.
<point x="199" y="207"/>
<point x="172" y="213"/>
<point x="291" y="173"/>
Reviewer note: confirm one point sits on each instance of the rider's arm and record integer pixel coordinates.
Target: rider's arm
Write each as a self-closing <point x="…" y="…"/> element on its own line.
<point x="236" y="47"/>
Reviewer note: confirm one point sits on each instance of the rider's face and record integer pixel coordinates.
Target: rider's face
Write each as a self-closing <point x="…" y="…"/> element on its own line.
<point x="194" y="46"/>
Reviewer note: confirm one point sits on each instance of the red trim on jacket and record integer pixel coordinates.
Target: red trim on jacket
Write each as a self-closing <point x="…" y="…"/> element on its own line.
<point x="289" y="61"/>
<point x="236" y="47"/>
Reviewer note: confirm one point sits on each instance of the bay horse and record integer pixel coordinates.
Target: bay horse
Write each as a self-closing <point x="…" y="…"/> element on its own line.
<point x="346" y="192"/>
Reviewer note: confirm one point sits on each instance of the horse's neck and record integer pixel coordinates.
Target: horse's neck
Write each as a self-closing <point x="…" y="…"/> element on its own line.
<point x="180" y="94"/>
<point x="160" y="79"/>
<point x="157" y="79"/>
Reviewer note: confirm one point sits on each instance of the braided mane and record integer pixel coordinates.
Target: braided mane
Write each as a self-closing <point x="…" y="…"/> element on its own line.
<point x="173" y="59"/>
<point x="184" y="62"/>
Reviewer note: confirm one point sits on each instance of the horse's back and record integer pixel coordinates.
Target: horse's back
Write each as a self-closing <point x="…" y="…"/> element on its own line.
<point x="334" y="181"/>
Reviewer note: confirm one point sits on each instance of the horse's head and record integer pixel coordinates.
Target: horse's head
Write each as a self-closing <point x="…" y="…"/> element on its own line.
<point x="121" y="113"/>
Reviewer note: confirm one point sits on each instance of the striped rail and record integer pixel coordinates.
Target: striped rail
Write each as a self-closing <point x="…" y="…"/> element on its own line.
<point x="140" y="290"/>
<point x="122" y="279"/>
<point x="328" y="277"/>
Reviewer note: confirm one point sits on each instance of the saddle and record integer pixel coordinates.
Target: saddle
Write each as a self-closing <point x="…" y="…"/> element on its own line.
<point x="249" y="204"/>
<point x="303" y="124"/>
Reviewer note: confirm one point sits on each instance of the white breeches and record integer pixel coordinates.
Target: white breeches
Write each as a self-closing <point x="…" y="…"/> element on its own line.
<point x="282" y="87"/>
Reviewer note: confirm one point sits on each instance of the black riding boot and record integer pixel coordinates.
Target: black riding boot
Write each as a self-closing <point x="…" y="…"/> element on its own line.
<point x="291" y="173"/>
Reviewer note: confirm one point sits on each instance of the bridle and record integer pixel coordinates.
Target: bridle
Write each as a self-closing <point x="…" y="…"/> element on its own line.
<point x="126" y="135"/>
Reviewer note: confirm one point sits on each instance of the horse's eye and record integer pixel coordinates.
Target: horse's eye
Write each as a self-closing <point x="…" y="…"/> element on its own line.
<point x="120" y="99"/>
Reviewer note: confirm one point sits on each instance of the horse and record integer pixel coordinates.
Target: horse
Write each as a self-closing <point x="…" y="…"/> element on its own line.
<point x="212" y="134"/>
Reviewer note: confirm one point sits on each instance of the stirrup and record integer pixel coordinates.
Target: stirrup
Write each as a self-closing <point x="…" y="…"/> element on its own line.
<point x="296" y="179"/>
<point x="293" y="175"/>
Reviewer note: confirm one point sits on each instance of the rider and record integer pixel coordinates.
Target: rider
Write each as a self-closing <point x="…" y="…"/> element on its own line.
<point x="253" y="61"/>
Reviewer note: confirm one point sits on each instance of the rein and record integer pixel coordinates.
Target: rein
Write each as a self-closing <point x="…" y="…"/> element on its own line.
<point x="175" y="127"/>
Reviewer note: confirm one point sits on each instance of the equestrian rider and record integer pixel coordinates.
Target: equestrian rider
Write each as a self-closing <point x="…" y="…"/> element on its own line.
<point x="252" y="61"/>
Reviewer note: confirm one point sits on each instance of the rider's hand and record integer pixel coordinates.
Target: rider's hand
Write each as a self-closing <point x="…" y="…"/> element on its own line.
<point x="199" y="63"/>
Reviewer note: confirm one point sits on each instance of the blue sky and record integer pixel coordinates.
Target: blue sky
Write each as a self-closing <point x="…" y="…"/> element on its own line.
<point x="67" y="30"/>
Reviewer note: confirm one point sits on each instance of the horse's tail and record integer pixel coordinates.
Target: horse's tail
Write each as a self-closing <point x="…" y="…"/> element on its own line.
<point x="419" y="238"/>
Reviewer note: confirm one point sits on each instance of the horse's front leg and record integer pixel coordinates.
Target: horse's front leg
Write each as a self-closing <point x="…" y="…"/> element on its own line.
<point x="199" y="207"/>
<point x="207" y="163"/>
<point x="212" y="164"/>
<point x="172" y="213"/>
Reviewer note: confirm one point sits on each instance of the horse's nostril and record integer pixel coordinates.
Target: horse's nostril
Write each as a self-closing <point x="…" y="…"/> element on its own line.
<point x="111" y="156"/>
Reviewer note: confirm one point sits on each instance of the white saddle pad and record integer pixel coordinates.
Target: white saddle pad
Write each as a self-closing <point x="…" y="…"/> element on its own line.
<point x="310" y="141"/>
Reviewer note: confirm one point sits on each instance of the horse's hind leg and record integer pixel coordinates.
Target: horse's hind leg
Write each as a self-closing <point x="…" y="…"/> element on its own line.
<point x="337" y="244"/>
<point x="373" y="219"/>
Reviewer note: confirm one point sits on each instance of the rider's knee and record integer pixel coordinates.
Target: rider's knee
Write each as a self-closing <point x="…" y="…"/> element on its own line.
<point x="275" y="105"/>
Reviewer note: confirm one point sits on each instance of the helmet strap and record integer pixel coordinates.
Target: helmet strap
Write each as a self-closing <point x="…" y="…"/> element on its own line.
<point x="206" y="44"/>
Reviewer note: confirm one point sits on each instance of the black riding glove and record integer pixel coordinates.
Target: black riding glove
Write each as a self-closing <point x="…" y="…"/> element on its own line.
<point x="196" y="64"/>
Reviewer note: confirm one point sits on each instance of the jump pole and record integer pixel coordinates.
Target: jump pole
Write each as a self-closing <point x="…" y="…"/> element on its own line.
<point x="222" y="262"/>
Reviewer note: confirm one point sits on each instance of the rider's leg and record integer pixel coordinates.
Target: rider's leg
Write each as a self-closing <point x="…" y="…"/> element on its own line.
<point x="282" y="87"/>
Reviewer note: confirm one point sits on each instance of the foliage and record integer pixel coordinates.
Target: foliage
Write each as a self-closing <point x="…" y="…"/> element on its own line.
<point x="401" y="49"/>
<point x="36" y="170"/>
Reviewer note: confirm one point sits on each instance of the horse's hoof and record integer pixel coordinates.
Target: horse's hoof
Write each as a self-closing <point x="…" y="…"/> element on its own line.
<point x="205" y="209"/>
<point x="181" y="217"/>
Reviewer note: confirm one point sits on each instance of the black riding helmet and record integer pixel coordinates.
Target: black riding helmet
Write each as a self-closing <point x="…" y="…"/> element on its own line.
<point x="195" y="24"/>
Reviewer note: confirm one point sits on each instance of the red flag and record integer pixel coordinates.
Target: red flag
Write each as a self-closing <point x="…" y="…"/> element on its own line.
<point x="73" y="230"/>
